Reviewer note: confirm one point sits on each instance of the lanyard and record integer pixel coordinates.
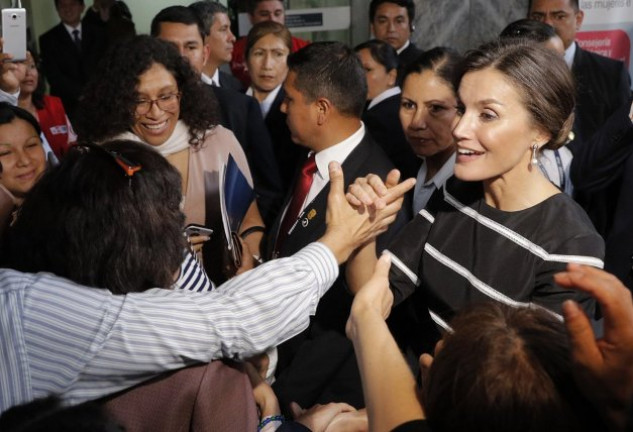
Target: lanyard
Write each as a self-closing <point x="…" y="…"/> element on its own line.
<point x="561" y="171"/>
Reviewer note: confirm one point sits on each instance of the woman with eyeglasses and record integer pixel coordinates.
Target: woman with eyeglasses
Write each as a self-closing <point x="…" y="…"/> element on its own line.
<point x="146" y="92"/>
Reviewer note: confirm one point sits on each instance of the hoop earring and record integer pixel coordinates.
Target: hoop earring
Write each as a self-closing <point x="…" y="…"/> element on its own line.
<point x="534" y="159"/>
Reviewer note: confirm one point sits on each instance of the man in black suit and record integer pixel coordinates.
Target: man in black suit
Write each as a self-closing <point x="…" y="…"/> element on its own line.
<point x="240" y="113"/>
<point x="391" y="21"/>
<point x="603" y="84"/>
<point x="325" y="95"/>
<point x="70" y="52"/>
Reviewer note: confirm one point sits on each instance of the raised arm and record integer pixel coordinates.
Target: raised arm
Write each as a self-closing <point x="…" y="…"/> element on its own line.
<point x="388" y="385"/>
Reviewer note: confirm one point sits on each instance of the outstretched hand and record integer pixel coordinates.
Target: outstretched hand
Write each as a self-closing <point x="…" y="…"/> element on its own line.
<point x="349" y="227"/>
<point x="372" y="193"/>
<point x="603" y="367"/>
<point x="374" y="297"/>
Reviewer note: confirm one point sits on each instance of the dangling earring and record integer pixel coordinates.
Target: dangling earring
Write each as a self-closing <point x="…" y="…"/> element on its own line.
<point x="534" y="159"/>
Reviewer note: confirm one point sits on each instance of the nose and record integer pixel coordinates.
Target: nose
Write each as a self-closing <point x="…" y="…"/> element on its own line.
<point x="418" y="121"/>
<point x="266" y="64"/>
<point x="548" y="20"/>
<point x="461" y="127"/>
<point x="231" y="37"/>
<point x="22" y="158"/>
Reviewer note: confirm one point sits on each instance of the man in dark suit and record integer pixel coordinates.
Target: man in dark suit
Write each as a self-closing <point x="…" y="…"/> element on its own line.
<point x="70" y="52"/>
<point x="240" y="113"/>
<point x="602" y="168"/>
<point x="325" y="94"/>
<point x="391" y="21"/>
<point x="603" y="84"/>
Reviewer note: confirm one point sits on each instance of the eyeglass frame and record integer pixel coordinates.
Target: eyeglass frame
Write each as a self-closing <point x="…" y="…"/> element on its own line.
<point x="156" y="101"/>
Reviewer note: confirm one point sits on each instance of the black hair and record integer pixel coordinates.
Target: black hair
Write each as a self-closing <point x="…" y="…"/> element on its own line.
<point x="107" y="106"/>
<point x="381" y="52"/>
<point x="251" y="5"/>
<point x="536" y="31"/>
<point x="446" y="63"/>
<point x="573" y="3"/>
<point x="81" y="2"/>
<point x="180" y="15"/>
<point x="407" y="4"/>
<point x="9" y="112"/>
<point x="331" y="70"/>
<point x="89" y="221"/>
<point x="206" y="11"/>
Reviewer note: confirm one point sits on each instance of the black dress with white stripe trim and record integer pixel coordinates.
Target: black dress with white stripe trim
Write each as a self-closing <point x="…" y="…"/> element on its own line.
<point x="459" y="250"/>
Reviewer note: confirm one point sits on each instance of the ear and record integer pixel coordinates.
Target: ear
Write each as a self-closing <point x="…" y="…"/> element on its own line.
<point x="542" y="137"/>
<point x="393" y="76"/>
<point x="580" y="16"/>
<point x="324" y="109"/>
<point x="206" y="51"/>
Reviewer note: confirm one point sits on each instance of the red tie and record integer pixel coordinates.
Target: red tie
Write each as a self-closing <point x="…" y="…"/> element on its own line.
<point x="302" y="187"/>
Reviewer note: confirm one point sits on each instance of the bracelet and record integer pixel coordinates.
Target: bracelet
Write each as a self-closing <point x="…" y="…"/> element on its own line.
<point x="270" y="419"/>
<point x="251" y="230"/>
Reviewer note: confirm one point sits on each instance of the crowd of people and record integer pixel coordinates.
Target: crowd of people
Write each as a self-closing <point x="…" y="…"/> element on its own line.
<point x="328" y="238"/>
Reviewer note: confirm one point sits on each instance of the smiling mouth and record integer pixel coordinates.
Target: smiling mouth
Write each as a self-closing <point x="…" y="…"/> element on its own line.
<point x="155" y="127"/>
<point x="467" y="152"/>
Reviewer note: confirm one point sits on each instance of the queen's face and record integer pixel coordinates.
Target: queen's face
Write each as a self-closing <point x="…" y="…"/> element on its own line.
<point x="267" y="63"/>
<point x="158" y="105"/>
<point x="495" y="131"/>
<point x="22" y="157"/>
<point x="427" y="110"/>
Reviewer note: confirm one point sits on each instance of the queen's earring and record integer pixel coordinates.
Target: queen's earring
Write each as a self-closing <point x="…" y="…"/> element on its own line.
<point x="534" y="159"/>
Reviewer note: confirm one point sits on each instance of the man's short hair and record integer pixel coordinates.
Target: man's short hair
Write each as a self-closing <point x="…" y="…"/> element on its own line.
<point x="407" y="4"/>
<point x="81" y="2"/>
<point x="331" y="70"/>
<point x="251" y="5"/>
<point x="573" y="3"/>
<point x="206" y="11"/>
<point x="180" y="15"/>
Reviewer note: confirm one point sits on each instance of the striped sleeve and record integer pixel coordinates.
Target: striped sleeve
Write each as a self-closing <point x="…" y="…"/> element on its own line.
<point x="192" y="275"/>
<point x="87" y="343"/>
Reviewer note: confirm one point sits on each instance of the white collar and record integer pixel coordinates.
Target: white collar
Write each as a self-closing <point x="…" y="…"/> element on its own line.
<point x="338" y="152"/>
<point x="70" y="29"/>
<point x="440" y="177"/>
<point x="570" y="52"/>
<point x="382" y="96"/>
<point x="179" y="140"/>
<point x="268" y="100"/>
<point x="214" y="80"/>
<point x="403" y="47"/>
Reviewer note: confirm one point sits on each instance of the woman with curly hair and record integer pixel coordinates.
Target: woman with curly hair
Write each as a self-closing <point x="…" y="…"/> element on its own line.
<point x="145" y="91"/>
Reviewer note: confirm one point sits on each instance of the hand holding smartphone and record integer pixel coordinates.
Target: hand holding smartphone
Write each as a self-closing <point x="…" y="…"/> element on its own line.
<point x="14" y="33"/>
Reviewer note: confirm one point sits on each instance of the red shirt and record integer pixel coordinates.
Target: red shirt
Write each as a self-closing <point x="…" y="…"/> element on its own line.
<point x="238" y="62"/>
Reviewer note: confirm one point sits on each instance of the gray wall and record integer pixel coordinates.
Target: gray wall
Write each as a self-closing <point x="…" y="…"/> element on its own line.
<point x="463" y="24"/>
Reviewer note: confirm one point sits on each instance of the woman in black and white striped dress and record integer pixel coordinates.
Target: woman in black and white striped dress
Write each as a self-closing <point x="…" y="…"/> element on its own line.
<point x="499" y="230"/>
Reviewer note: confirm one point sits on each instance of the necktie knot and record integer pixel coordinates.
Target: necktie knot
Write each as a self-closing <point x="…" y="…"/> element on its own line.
<point x="77" y="39"/>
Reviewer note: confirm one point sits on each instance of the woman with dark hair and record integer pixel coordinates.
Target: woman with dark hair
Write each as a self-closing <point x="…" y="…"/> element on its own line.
<point x="499" y="230"/>
<point x="380" y="115"/>
<point x="145" y="91"/>
<point x="500" y="369"/>
<point x="268" y="45"/>
<point x="22" y="158"/>
<point x="48" y="110"/>
<point x="94" y="218"/>
<point x="554" y="163"/>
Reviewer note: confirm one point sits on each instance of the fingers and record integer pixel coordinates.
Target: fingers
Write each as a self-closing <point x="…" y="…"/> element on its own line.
<point x="613" y="296"/>
<point x="336" y="178"/>
<point x="381" y="270"/>
<point x="392" y="178"/>
<point x="296" y="409"/>
<point x="583" y="343"/>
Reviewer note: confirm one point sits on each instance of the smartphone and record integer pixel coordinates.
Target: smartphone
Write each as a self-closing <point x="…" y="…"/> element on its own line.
<point x="194" y="230"/>
<point x="14" y="33"/>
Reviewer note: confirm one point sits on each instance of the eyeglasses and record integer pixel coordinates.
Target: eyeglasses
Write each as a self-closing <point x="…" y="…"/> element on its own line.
<point x="167" y="103"/>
